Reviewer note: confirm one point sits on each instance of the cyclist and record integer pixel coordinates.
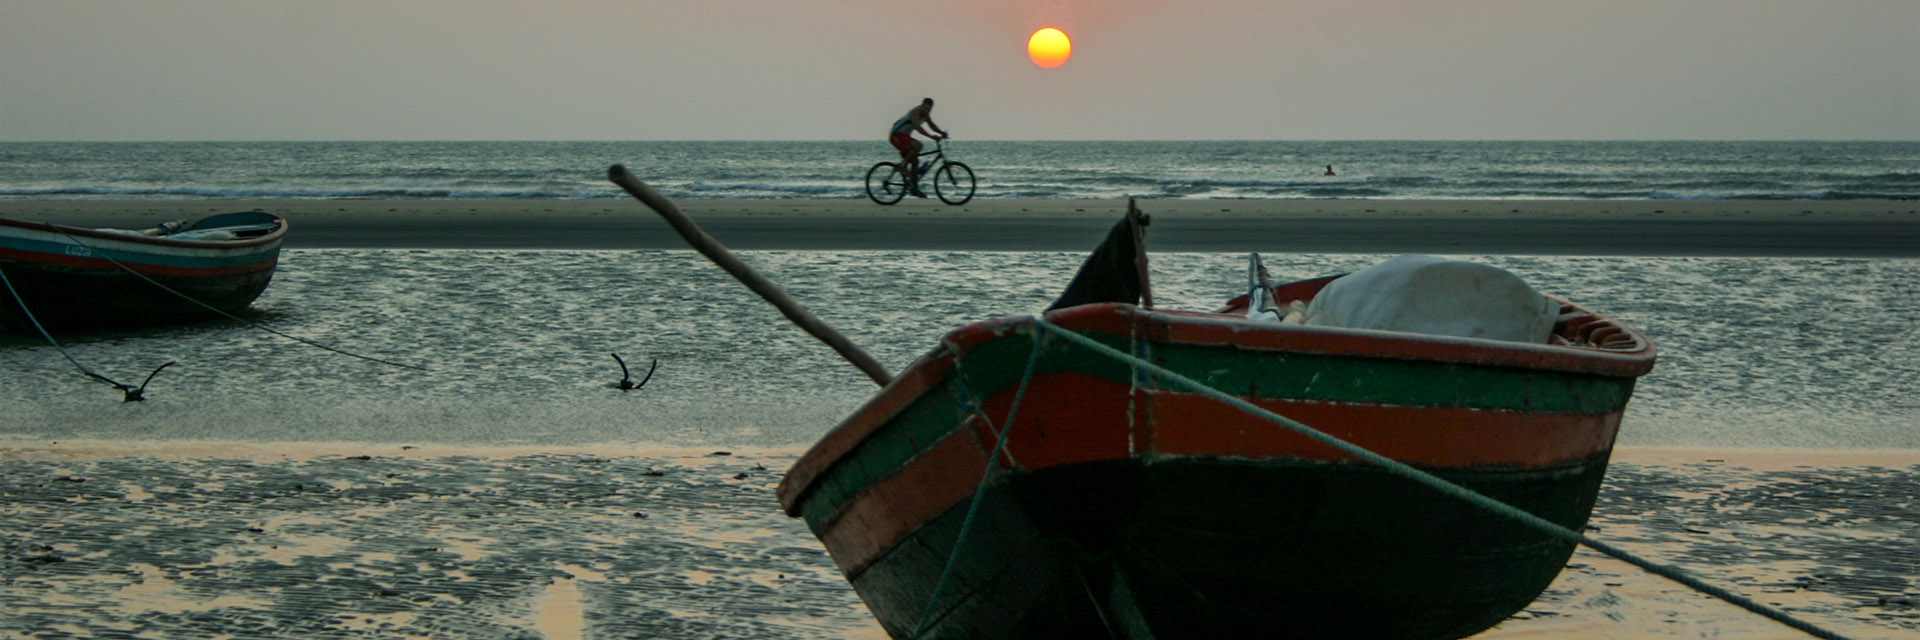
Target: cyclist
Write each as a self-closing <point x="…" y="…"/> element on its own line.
<point x="917" y="119"/>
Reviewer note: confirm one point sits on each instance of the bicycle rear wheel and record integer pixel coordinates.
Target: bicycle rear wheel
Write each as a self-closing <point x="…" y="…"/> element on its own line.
<point x="953" y="182"/>
<point x="885" y="185"/>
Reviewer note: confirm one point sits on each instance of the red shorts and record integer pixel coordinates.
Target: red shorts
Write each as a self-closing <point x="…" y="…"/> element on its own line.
<point x="901" y="141"/>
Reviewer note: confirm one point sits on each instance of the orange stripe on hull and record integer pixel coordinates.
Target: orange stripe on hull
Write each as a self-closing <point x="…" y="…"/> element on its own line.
<point x="888" y="510"/>
<point x="31" y="259"/>
<point x="1072" y="419"/>
<point x="1449" y="437"/>
<point x="1067" y="418"/>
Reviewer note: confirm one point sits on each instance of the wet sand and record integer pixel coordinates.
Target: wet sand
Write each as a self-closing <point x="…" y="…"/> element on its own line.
<point x="194" y="539"/>
<point x="1783" y="228"/>
<point x="186" y="539"/>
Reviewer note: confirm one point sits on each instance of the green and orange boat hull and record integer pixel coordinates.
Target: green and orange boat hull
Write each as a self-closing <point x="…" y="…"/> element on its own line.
<point x="1120" y="508"/>
<point x="60" y="277"/>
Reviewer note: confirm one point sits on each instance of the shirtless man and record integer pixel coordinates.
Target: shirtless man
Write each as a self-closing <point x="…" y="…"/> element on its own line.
<point x="917" y="119"/>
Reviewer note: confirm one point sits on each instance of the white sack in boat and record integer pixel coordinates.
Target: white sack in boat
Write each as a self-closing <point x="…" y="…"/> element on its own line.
<point x="1425" y="294"/>
<point x="165" y="228"/>
<point x="205" y="234"/>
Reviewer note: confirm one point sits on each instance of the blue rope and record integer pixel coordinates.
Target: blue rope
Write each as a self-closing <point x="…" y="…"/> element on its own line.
<point x="979" y="492"/>
<point x="56" y="344"/>
<point x="1401" y="469"/>
<point x="959" y="387"/>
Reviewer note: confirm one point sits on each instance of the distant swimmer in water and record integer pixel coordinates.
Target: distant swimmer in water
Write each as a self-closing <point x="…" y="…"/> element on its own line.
<point x="1329" y="170"/>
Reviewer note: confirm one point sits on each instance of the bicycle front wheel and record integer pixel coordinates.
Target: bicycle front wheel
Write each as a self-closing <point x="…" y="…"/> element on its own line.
<point x="885" y="185"/>
<point x="953" y="183"/>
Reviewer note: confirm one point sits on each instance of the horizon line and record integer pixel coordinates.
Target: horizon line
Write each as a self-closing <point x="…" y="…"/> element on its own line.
<point x="882" y="141"/>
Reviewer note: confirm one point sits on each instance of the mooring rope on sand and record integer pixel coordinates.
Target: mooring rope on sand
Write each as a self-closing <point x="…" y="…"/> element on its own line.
<point x="1045" y="329"/>
<point x="103" y="255"/>
<point x="132" y="393"/>
<point x="135" y="393"/>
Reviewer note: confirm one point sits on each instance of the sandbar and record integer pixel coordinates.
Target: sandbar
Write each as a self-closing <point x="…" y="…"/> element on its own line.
<point x="1730" y="228"/>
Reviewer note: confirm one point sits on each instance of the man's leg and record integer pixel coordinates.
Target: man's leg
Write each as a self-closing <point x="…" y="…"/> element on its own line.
<point x="905" y="145"/>
<point x="912" y="169"/>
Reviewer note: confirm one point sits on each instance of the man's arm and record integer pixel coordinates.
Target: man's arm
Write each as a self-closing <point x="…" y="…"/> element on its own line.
<point x="921" y="123"/>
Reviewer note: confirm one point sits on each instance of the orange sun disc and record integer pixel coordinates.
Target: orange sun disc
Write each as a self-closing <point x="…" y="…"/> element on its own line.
<point x="1049" y="48"/>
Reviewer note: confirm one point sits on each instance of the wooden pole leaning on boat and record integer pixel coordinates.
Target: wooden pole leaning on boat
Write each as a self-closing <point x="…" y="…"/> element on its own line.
<point x="766" y="289"/>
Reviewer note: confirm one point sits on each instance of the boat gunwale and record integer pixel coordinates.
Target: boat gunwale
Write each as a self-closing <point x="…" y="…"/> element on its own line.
<point x="1632" y="356"/>
<point x="226" y="269"/>
<point x="271" y="237"/>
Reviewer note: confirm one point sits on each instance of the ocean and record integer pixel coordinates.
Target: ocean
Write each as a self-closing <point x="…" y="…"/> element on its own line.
<point x="1005" y="169"/>
<point x="498" y="487"/>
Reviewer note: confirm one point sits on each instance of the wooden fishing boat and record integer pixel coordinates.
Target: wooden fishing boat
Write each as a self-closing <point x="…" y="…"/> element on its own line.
<point x="1016" y="483"/>
<point x="1124" y="508"/>
<point x="74" y="278"/>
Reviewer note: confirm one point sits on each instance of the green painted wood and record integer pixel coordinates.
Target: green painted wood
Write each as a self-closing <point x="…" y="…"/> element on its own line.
<point x="998" y="364"/>
<point x="912" y="431"/>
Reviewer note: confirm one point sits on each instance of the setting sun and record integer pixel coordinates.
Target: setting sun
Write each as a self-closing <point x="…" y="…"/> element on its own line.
<point x="1049" y="48"/>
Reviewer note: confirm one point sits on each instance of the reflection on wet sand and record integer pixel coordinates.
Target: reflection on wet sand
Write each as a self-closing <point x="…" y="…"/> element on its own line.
<point x="340" y="540"/>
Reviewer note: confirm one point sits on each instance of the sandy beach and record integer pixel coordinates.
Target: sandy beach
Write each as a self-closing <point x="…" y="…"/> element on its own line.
<point x="1754" y="228"/>
<point x="190" y="538"/>
<point x="486" y="395"/>
<point x="336" y="540"/>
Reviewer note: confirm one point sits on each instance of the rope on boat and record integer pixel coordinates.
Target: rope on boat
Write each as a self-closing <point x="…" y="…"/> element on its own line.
<point x="250" y="323"/>
<point x="133" y="394"/>
<point x="1397" y="468"/>
<point x="979" y="492"/>
<point x="963" y="397"/>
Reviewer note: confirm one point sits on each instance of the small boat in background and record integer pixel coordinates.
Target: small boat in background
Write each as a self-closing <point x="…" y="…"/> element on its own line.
<point x="71" y="278"/>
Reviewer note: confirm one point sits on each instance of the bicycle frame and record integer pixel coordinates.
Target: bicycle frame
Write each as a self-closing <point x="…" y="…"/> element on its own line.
<point x="953" y="180"/>
<point x="929" y="159"/>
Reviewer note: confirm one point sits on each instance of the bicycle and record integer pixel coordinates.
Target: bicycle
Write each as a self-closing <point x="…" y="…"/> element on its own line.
<point x="952" y="181"/>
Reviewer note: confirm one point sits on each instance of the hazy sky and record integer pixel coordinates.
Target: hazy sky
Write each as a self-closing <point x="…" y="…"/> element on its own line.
<point x="844" y="69"/>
